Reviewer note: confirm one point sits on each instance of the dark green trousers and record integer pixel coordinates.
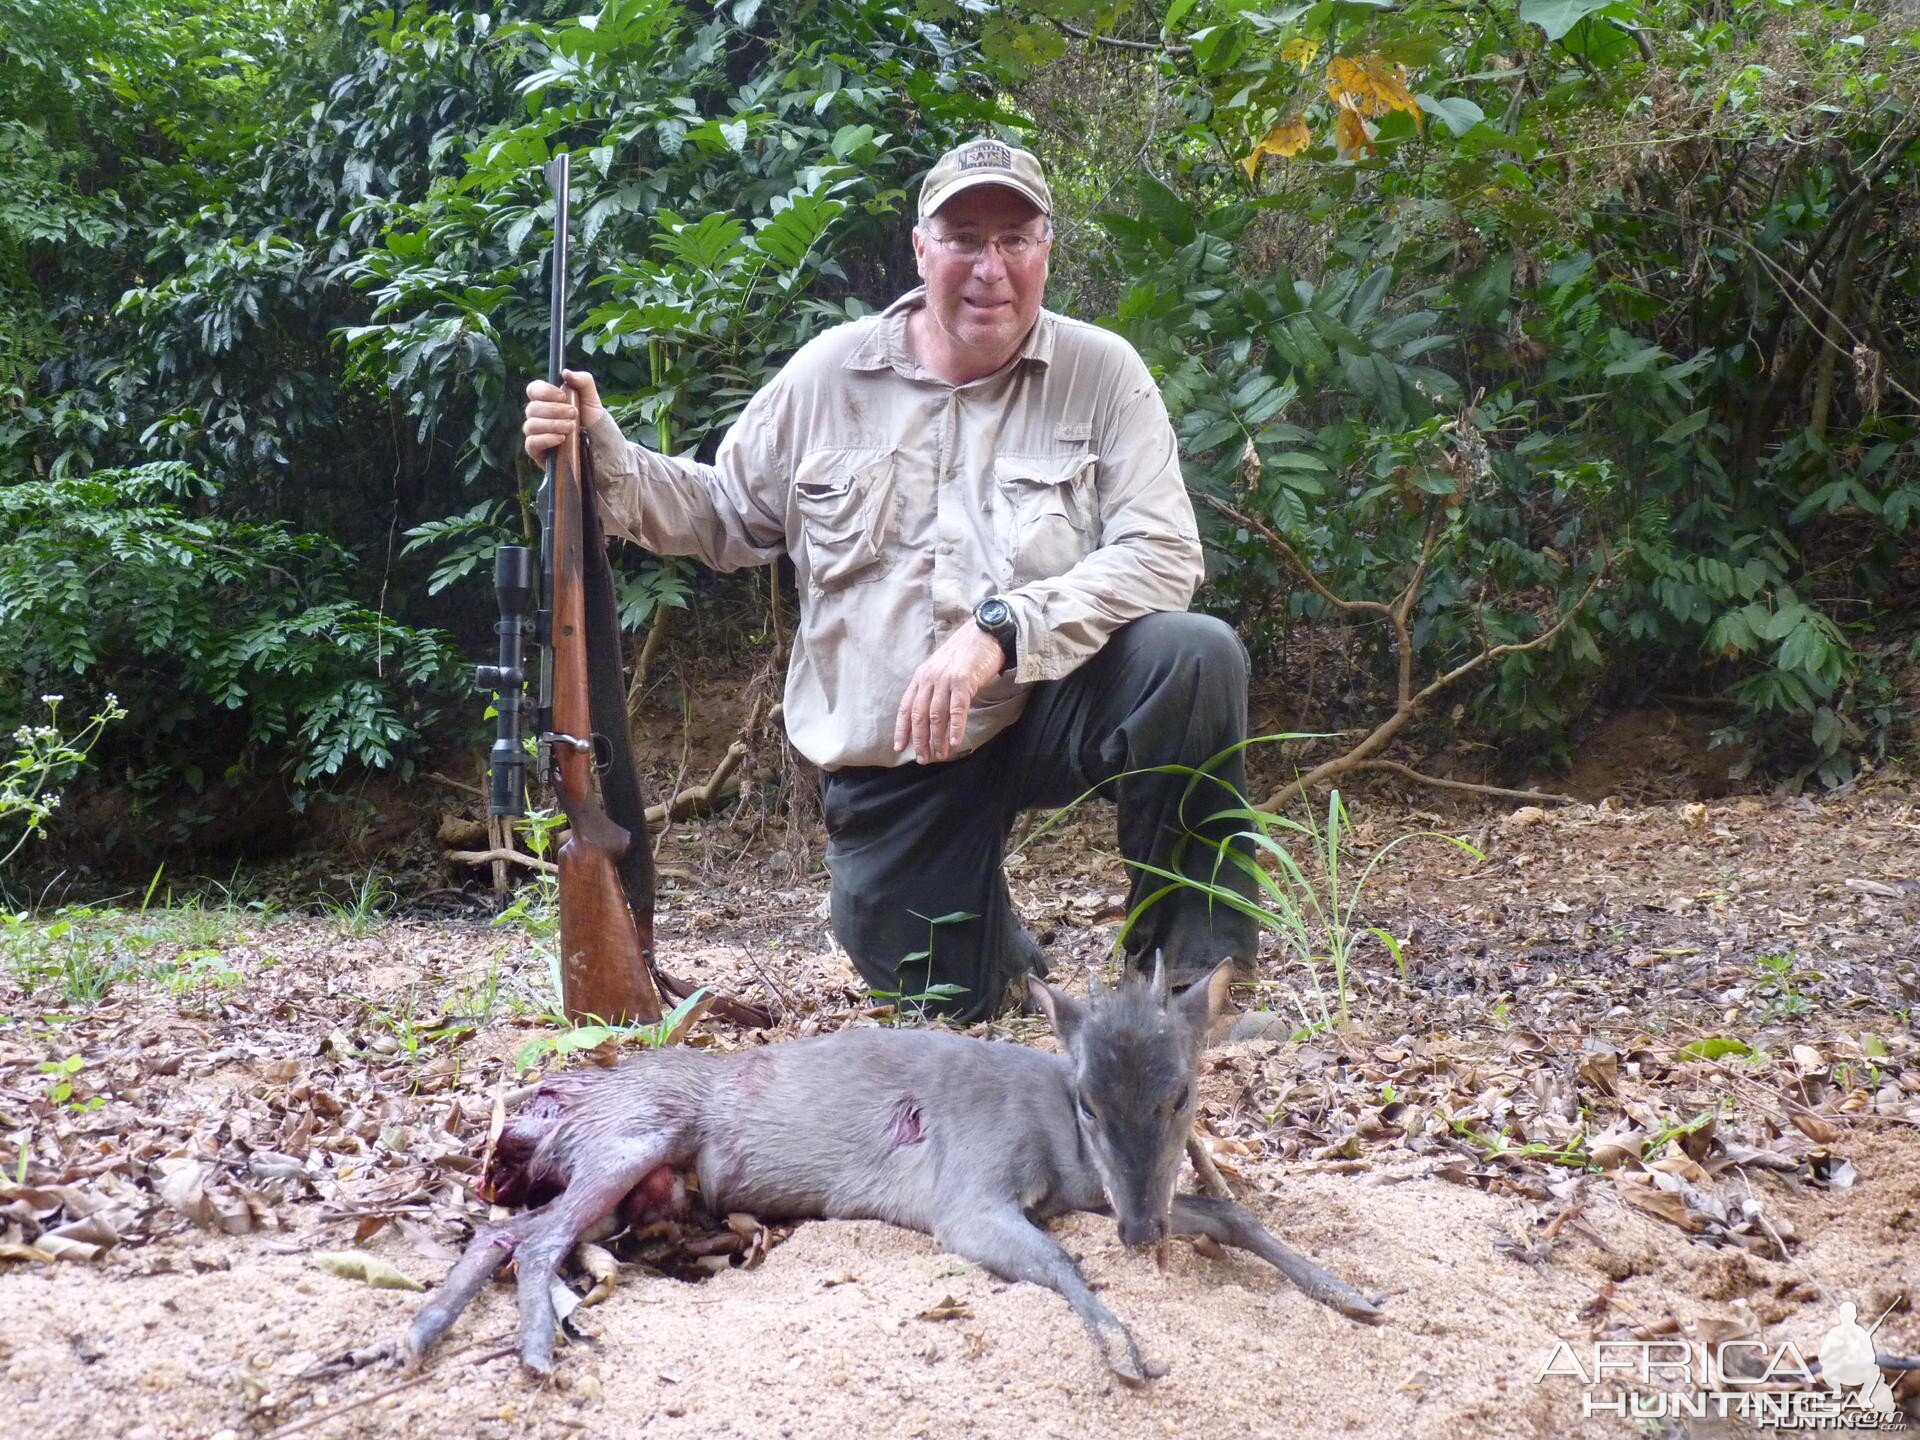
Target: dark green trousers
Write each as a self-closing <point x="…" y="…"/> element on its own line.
<point x="911" y="843"/>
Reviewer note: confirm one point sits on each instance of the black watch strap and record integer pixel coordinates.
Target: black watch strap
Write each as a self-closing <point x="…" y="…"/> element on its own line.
<point x="995" y="616"/>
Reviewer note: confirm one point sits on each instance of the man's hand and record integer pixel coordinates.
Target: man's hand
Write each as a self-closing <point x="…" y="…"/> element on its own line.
<point x="554" y="413"/>
<point x="933" y="712"/>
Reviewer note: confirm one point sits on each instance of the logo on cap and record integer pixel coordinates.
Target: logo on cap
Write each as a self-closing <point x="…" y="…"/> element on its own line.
<point x="986" y="154"/>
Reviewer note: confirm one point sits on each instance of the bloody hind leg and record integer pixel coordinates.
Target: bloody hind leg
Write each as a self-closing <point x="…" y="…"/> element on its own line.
<point x="594" y="1194"/>
<point x="597" y="1194"/>
<point x="490" y="1249"/>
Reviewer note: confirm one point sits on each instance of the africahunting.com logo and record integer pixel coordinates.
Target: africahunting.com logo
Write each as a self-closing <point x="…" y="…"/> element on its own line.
<point x="1772" y="1386"/>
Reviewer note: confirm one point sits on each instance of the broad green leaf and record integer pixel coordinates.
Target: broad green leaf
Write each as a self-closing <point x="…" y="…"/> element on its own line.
<point x="1681" y="429"/>
<point x="1165" y="211"/>
<point x="1556" y="17"/>
<point x="1458" y="113"/>
<point x="791" y="234"/>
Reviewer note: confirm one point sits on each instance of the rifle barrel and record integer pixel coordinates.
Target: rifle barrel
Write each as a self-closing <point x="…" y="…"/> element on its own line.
<point x="559" y="173"/>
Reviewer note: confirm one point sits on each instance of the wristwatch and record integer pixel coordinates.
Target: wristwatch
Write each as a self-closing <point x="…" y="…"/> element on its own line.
<point x="995" y="616"/>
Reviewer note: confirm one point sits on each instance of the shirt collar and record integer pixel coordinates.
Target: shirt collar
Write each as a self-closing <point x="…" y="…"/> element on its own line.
<point x="885" y="345"/>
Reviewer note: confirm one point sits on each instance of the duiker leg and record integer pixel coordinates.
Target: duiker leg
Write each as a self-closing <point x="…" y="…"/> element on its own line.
<point x="588" y="1198"/>
<point x="1231" y="1224"/>
<point x="539" y="1240"/>
<point x="1014" y="1248"/>
<point x="490" y="1250"/>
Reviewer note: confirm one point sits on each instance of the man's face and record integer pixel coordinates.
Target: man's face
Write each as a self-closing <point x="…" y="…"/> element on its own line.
<point x="982" y="308"/>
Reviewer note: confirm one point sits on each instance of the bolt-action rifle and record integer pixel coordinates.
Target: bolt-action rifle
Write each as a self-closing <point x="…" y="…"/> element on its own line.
<point x="578" y="713"/>
<point x="606" y="881"/>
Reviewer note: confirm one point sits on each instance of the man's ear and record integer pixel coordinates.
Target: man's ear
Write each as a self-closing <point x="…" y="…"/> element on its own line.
<point x="1063" y="1012"/>
<point x="1200" y="1005"/>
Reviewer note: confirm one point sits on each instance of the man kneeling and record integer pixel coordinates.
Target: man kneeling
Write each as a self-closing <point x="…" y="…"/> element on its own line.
<point x="994" y="550"/>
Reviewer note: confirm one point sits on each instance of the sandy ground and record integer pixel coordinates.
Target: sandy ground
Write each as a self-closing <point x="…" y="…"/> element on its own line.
<point x="183" y="1330"/>
<point x="825" y="1337"/>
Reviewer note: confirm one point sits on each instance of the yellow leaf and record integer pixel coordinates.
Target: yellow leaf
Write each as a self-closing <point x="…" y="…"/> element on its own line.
<point x="1289" y="137"/>
<point x="1350" y="134"/>
<point x="357" y="1265"/>
<point x="1368" y="85"/>
<point x="1300" y="53"/>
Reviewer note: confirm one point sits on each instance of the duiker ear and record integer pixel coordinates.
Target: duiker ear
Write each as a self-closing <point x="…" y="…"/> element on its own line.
<point x="1063" y="1012"/>
<point x="1200" y="1005"/>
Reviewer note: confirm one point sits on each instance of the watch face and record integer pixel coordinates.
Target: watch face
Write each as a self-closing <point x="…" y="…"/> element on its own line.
<point x="994" y="613"/>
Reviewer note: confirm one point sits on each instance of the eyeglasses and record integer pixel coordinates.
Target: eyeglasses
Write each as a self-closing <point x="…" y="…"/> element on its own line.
<point x="968" y="246"/>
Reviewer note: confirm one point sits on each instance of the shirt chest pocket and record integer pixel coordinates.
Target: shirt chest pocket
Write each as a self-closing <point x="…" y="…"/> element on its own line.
<point x="1048" y="524"/>
<point x="843" y="501"/>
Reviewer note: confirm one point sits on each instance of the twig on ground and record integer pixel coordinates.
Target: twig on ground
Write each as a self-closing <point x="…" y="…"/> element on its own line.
<point x="1208" y="1173"/>
<point x="335" y="1412"/>
<point x="697" y="799"/>
<point x="498" y="856"/>
<point x="1547" y="797"/>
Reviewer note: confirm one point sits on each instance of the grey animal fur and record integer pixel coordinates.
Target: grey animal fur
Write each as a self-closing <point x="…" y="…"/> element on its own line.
<point x="970" y="1141"/>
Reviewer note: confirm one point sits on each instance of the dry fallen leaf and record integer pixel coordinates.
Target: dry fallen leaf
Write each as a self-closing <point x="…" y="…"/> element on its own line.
<point x="1617" y="1149"/>
<point x="601" y="1268"/>
<point x="1642" y="1193"/>
<point x="1817" y="1129"/>
<point x="1599" y="1067"/>
<point x="948" y="1309"/>
<point x="184" y="1189"/>
<point x="355" y="1265"/>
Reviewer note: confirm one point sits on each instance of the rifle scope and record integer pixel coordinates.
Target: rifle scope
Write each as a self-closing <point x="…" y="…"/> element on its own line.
<point x="507" y="761"/>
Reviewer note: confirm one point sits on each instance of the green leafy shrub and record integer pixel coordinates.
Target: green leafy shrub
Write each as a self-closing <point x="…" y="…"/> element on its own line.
<point x="231" y="645"/>
<point x="1588" y="282"/>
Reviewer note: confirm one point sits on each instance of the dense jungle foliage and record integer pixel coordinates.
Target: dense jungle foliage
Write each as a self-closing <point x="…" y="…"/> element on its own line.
<point x="1538" y="289"/>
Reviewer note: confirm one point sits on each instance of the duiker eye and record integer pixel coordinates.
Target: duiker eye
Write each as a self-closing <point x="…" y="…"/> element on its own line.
<point x="1181" y="1101"/>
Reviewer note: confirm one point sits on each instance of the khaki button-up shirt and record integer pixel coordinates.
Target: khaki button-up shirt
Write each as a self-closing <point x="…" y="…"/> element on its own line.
<point x="905" y="501"/>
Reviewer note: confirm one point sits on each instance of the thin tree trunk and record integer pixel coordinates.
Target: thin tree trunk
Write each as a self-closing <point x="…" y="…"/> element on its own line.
<point x="1835" y="333"/>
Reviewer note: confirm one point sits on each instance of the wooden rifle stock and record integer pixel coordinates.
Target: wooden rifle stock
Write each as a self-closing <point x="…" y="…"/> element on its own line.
<point x="606" y="935"/>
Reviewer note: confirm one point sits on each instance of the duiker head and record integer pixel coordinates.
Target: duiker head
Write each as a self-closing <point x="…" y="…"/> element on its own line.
<point x="1135" y="1052"/>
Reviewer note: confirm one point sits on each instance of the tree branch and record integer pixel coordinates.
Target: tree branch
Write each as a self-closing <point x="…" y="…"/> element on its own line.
<point x="1407" y="702"/>
<point x="1278" y="542"/>
<point x="497" y="856"/>
<point x="1150" y="47"/>
<point x="1547" y="797"/>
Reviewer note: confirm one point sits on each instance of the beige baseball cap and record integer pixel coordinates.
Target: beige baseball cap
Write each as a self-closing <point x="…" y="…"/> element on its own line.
<point x="984" y="161"/>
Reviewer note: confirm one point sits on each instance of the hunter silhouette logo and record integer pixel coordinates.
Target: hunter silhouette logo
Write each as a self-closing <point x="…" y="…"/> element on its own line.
<point x="1846" y="1363"/>
<point x="1773" y="1385"/>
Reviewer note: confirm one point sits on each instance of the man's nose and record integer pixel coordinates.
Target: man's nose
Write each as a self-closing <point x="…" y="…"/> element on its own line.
<point x="991" y="265"/>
